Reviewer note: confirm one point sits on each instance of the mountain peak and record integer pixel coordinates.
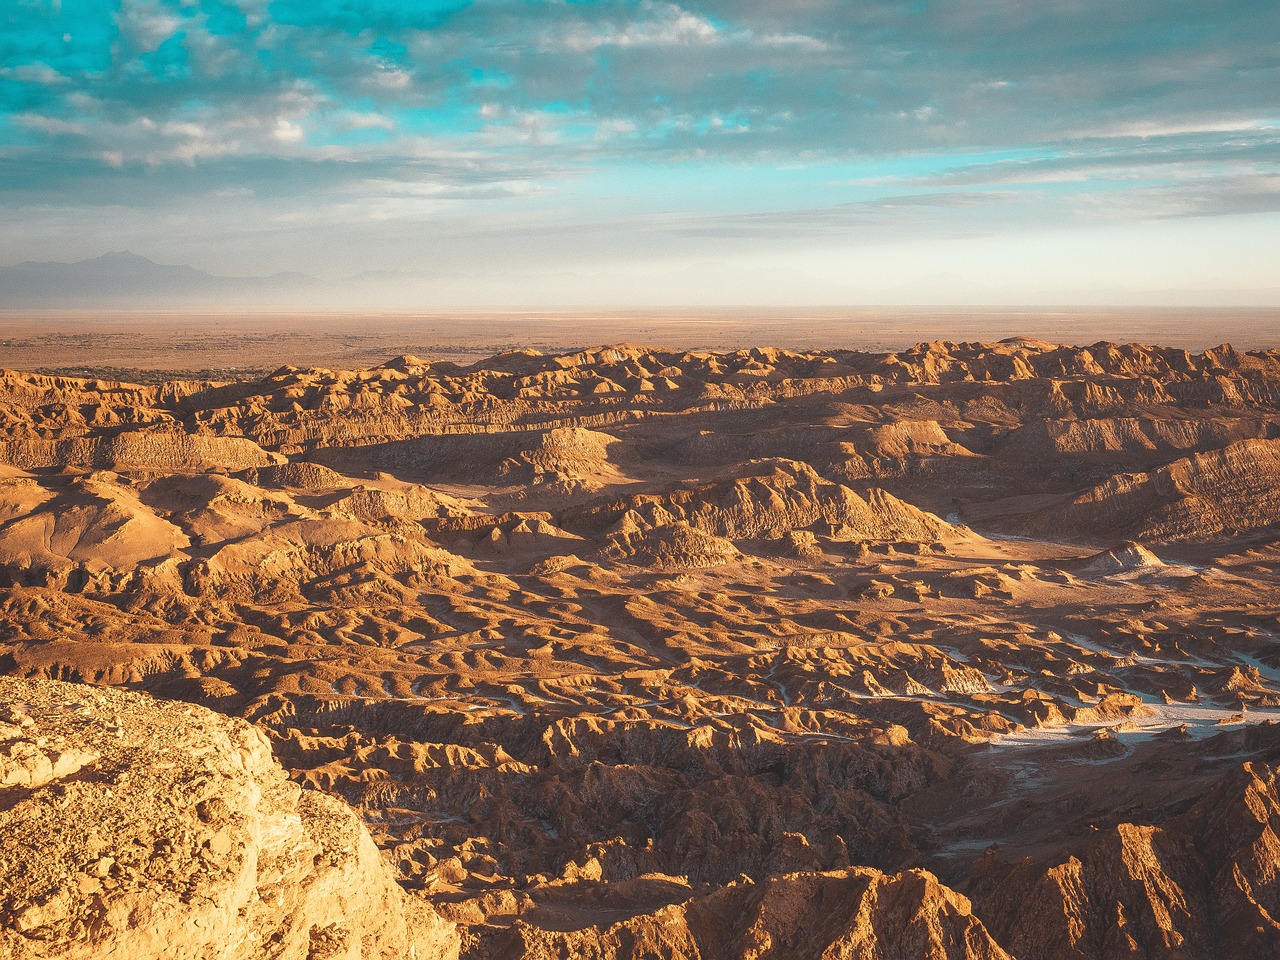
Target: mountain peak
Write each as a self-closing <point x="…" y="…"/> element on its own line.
<point x="125" y="277"/>
<point x="121" y="257"/>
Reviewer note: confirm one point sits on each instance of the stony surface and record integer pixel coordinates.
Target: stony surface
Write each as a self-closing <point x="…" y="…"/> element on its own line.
<point x="133" y="828"/>
<point x="625" y="651"/>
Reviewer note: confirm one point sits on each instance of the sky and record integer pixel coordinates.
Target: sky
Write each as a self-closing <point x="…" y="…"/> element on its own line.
<point x="641" y="152"/>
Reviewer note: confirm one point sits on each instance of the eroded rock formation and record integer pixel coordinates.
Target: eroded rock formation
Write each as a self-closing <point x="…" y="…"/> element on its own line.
<point x="629" y="652"/>
<point x="133" y="828"/>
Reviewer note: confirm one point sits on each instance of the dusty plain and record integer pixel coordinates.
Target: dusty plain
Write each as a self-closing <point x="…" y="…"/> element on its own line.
<point x="955" y="650"/>
<point x="151" y="345"/>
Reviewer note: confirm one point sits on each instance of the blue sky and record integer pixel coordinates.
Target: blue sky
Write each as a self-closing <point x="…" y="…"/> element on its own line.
<point x="508" y="152"/>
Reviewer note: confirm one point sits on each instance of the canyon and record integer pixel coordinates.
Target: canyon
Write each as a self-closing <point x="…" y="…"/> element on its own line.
<point x="968" y="650"/>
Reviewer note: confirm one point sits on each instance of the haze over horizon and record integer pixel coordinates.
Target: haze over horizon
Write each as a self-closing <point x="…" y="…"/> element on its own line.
<point x="617" y="154"/>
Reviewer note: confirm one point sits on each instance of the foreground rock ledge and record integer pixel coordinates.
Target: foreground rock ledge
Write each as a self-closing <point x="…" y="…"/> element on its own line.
<point x="133" y="828"/>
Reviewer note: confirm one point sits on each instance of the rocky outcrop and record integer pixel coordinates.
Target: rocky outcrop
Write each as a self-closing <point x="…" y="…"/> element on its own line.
<point x="1145" y="437"/>
<point x="132" y="829"/>
<point x="668" y="546"/>
<point x="1200" y="885"/>
<point x="1205" y="497"/>
<point x="196" y="533"/>
<point x="569" y="456"/>
<point x="154" y="450"/>
<point x="629" y="652"/>
<point x="859" y="913"/>
<point x="769" y="499"/>
<point x="1127" y="558"/>
<point x="300" y="476"/>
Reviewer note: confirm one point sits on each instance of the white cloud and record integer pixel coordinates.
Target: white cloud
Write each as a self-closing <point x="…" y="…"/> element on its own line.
<point x="287" y="132"/>
<point x="40" y="73"/>
<point x="364" y="121"/>
<point x="661" y="25"/>
<point x="1153" y="129"/>
<point x="390" y="79"/>
<point x="188" y="130"/>
<point x="798" y="41"/>
<point x="55" y="126"/>
<point x="145" y="25"/>
<point x="254" y="11"/>
<point x="613" y="127"/>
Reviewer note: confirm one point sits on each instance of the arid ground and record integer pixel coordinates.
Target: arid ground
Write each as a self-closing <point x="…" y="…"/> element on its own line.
<point x="150" y="345"/>
<point x="838" y="648"/>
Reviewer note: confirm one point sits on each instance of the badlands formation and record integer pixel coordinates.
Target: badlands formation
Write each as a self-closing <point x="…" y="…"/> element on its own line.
<point x="970" y="651"/>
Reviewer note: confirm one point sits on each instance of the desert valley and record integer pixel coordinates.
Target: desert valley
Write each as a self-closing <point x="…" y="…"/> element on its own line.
<point x="967" y="650"/>
<point x="639" y="480"/>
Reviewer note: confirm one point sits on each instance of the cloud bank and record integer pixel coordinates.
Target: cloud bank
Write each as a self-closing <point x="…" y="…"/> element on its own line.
<point x="507" y="140"/>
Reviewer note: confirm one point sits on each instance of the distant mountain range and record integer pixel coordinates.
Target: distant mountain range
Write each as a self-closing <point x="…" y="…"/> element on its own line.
<point x="125" y="279"/>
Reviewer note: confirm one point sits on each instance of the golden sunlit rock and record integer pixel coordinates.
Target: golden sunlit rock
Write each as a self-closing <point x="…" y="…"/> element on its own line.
<point x="964" y="651"/>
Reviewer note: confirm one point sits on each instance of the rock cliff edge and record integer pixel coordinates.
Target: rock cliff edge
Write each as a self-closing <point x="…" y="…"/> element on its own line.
<point x="133" y="828"/>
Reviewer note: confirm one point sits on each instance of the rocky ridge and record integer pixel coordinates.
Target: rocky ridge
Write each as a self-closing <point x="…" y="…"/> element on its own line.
<point x="134" y="828"/>
<point x="629" y="650"/>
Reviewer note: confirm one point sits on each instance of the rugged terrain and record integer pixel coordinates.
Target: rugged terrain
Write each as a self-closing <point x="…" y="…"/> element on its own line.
<point x="135" y="829"/>
<point x="964" y="651"/>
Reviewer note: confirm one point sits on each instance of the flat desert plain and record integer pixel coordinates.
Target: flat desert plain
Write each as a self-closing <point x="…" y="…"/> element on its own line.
<point x="840" y="647"/>
<point x="151" y="345"/>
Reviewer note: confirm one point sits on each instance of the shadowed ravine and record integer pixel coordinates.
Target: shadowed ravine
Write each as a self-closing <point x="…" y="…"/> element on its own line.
<point x="969" y="651"/>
